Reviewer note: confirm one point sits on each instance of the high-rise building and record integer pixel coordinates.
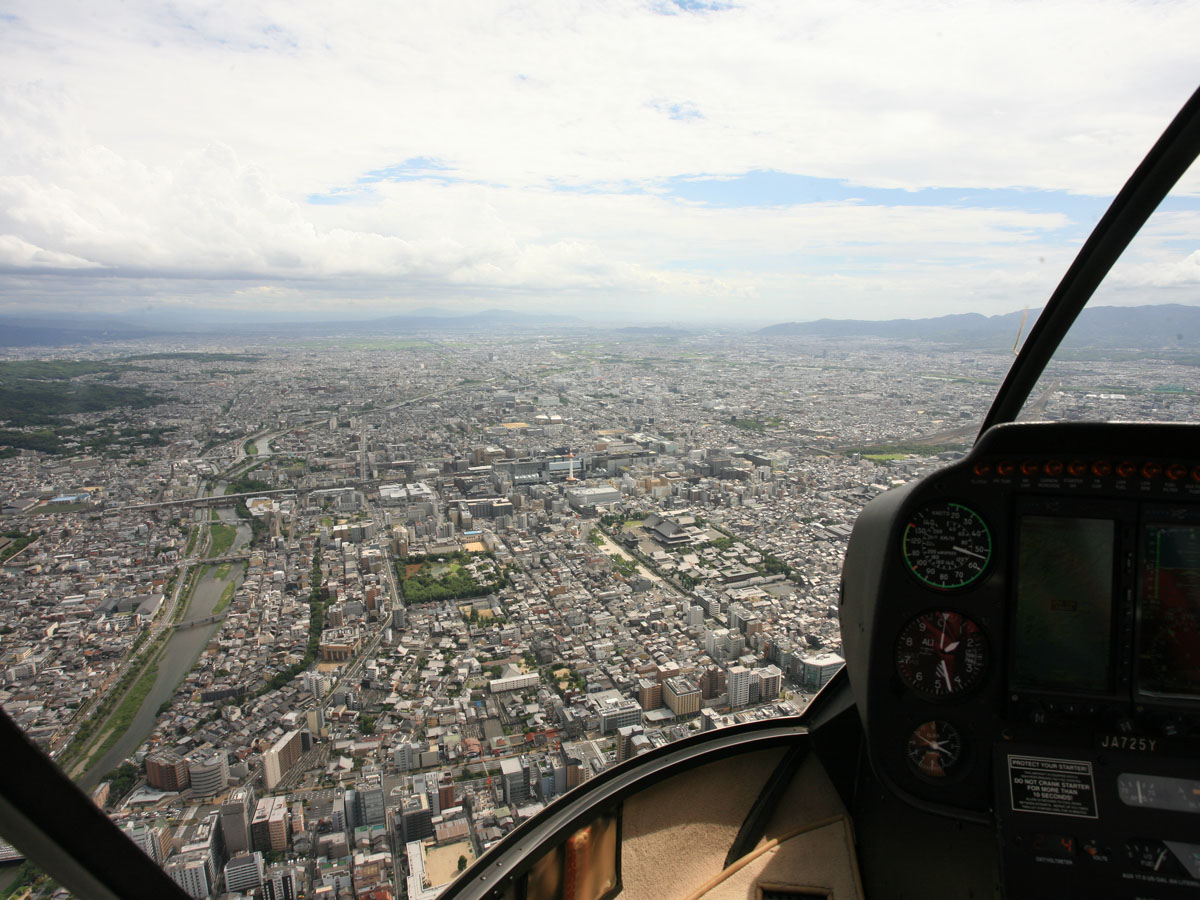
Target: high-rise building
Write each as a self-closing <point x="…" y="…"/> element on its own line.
<point x="682" y="696"/>
<point x="235" y="820"/>
<point x="317" y="683"/>
<point x="446" y="797"/>
<point x="770" y="682"/>
<point x="649" y="694"/>
<point x="369" y="806"/>
<point x="737" y="645"/>
<point x="297" y="817"/>
<point x="816" y="671"/>
<point x="277" y="825"/>
<point x="406" y="755"/>
<point x="716" y="643"/>
<point x="191" y="874"/>
<point x="208" y="774"/>
<point x="616" y="713"/>
<point x="244" y="873"/>
<point x="268" y="828"/>
<point x="516" y="781"/>
<point x="155" y="842"/>
<point x="281" y="882"/>
<point x="281" y="757"/>
<point x="737" y="680"/>
<point x="712" y="682"/>
<point x="315" y="719"/>
<point x="416" y="818"/>
<point x="166" y="771"/>
<point x="203" y="841"/>
<point x="425" y="783"/>
<point x="625" y="738"/>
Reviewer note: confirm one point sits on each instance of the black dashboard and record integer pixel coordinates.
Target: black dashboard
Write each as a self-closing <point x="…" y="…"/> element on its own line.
<point x="1022" y="634"/>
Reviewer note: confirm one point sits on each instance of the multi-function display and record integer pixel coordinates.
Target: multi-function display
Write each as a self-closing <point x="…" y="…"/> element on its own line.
<point x="1169" y="633"/>
<point x="1064" y="604"/>
<point x="1064" y="622"/>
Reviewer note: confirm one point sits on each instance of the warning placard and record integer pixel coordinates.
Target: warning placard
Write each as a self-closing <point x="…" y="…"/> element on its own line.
<point x="1056" y="787"/>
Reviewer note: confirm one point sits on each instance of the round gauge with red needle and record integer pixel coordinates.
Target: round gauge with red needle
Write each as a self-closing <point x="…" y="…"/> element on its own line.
<point x="934" y="749"/>
<point x="941" y="654"/>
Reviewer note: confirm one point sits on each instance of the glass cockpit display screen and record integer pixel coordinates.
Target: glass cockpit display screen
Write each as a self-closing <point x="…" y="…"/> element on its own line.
<point x="1064" y="611"/>
<point x="1169" y="637"/>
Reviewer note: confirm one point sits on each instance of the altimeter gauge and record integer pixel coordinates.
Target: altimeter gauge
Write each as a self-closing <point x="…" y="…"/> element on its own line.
<point x="935" y="749"/>
<point x="941" y="654"/>
<point x="947" y="545"/>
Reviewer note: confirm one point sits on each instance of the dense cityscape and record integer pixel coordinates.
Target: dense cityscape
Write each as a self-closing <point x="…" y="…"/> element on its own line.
<point x="330" y="618"/>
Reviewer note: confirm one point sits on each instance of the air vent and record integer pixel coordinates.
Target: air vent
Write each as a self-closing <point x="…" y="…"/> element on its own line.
<point x="782" y="892"/>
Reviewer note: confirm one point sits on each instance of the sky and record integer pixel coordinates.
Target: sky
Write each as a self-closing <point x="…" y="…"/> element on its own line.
<point x="672" y="162"/>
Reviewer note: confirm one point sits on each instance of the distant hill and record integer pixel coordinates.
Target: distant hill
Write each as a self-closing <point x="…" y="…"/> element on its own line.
<point x="485" y="320"/>
<point x="31" y="331"/>
<point x="67" y="330"/>
<point x="1136" y="327"/>
<point x="653" y="330"/>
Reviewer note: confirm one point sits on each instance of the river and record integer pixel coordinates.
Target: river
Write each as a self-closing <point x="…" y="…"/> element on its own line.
<point x="182" y="651"/>
<point x="264" y="443"/>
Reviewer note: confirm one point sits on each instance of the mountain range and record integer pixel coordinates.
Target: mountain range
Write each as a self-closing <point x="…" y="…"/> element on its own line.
<point x="1170" y="326"/>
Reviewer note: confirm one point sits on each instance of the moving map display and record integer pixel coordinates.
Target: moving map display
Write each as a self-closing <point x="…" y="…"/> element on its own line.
<point x="1169" y="633"/>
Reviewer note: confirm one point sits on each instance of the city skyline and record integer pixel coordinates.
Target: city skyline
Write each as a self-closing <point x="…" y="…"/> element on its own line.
<point x="657" y="162"/>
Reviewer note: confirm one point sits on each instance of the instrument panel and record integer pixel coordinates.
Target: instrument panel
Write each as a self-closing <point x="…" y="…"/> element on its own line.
<point x="1022" y="633"/>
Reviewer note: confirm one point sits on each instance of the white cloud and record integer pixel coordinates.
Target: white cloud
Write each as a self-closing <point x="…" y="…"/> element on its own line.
<point x="184" y="142"/>
<point x="20" y="254"/>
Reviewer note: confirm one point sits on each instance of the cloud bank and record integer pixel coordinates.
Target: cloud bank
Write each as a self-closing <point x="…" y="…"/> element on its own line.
<point x="368" y="159"/>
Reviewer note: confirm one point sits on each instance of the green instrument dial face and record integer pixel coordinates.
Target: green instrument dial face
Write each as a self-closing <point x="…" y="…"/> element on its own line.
<point x="947" y="546"/>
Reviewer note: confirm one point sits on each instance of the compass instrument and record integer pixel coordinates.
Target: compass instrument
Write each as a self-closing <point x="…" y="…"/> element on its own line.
<point x="935" y="749"/>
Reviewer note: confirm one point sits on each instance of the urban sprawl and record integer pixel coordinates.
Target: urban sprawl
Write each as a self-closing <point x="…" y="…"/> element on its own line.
<point x="330" y="619"/>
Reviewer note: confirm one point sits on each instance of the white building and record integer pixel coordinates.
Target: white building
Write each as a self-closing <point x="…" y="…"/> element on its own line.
<point x="590" y="497"/>
<point x="737" y="681"/>
<point x="208" y="774"/>
<point x="244" y="873"/>
<point x="514" y="682"/>
<point x="191" y="874"/>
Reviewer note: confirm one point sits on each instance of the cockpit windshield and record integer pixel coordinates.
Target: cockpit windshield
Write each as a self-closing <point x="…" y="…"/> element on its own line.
<point x="1133" y="354"/>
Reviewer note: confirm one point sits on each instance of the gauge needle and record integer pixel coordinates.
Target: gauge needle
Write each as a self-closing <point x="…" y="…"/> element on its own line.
<point x="933" y="745"/>
<point x="1161" y="856"/>
<point x="957" y="549"/>
<point x="946" y="674"/>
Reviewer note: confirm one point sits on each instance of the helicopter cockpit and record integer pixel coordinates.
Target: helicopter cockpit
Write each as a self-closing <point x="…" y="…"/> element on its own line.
<point x="1019" y="714"/>
<point x="1020" y="710"/>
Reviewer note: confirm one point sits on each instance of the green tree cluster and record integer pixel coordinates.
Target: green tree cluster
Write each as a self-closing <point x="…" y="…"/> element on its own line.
<point x="20" y="540"/>
<point x="121" y="780"/>
<point x="455" y="584"/>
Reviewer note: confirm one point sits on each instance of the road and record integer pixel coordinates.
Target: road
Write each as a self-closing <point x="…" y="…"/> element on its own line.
<point x="609" y="548"/>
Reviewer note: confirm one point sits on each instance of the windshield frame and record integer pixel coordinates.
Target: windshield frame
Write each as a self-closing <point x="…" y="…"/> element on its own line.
<point x="1170" y="157"/>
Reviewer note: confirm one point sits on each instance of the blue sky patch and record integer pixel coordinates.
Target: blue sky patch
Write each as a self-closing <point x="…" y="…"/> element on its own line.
<point x="779" y="189"/>
<point x="767" y="188"/>
<point x="418" y="168"/>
